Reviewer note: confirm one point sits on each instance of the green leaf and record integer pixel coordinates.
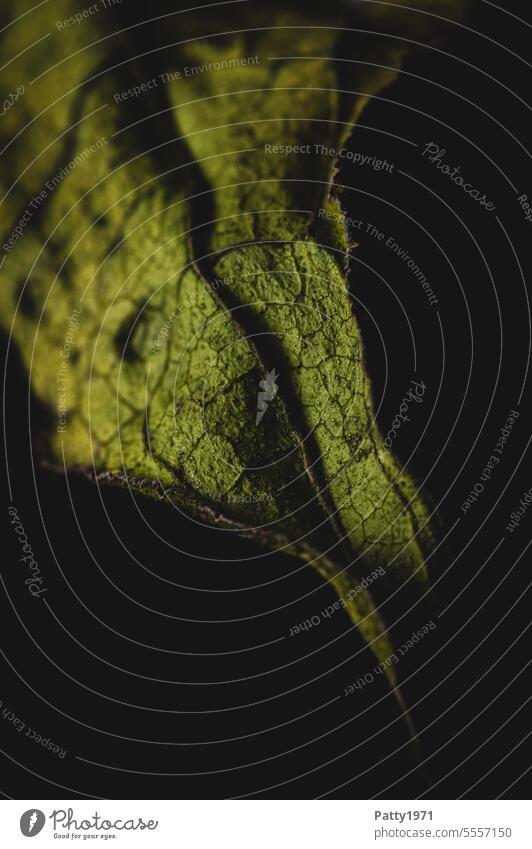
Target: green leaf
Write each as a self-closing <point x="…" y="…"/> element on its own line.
<point x="174" y="261"/>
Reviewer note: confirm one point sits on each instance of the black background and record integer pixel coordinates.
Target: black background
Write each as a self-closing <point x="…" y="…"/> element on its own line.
<point x="121" y="599"/>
